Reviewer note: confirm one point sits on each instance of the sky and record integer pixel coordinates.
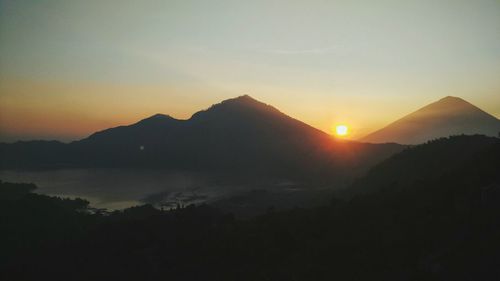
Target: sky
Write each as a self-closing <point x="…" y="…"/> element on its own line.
<point x="69" y="68"/>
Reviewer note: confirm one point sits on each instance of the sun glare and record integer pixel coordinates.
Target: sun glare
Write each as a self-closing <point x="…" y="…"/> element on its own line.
<point x="341" y="130"/>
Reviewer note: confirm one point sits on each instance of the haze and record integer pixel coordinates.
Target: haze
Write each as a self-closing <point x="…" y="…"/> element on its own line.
<point x="70" y="68"/>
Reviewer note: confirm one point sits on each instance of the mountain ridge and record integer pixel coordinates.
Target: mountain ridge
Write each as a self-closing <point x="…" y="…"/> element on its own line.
<point x="237" y="136"/>
<point x="447" y="116"/>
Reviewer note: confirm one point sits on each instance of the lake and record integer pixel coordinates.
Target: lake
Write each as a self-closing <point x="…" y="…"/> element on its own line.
<point x="121" y="188"/>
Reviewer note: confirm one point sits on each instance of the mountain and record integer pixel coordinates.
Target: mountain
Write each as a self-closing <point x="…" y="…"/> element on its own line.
<point x="446" y="117"/>
<point x="452" y="157"/>
<point x="240" y="136"/>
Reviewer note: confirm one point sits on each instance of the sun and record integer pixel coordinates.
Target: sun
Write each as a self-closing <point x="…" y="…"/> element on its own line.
<point x="341" y="130"/>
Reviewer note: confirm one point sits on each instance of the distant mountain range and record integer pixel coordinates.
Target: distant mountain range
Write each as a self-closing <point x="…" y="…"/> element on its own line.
<point x="446" y="117"/>
<point x="239" y="136"/>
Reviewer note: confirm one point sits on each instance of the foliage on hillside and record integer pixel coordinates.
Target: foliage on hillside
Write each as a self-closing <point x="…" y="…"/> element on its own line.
<point x="443" y="226"/>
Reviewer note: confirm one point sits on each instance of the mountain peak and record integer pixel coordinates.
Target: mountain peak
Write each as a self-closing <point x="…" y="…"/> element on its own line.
<point x="160" y="116"/>
<point x="452" y="98"/>
<point x="449" y="106"/>
<point x="239" y="105"/>
<point x="157" y="118"/>
<point x="244" y="99"/>
<point x="445" y="117"/>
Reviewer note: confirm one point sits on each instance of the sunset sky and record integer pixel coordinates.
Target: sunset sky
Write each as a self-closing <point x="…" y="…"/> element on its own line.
<point x="70" y="68"/>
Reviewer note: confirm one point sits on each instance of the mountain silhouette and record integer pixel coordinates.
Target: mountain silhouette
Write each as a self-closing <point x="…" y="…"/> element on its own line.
<point x="429" y="162"/>
<point x="236" y="136"/>
<point x="446" y="117"/>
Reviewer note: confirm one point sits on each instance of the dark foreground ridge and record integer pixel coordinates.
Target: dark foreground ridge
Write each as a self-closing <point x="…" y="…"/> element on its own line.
<point x="442" y="224"/>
